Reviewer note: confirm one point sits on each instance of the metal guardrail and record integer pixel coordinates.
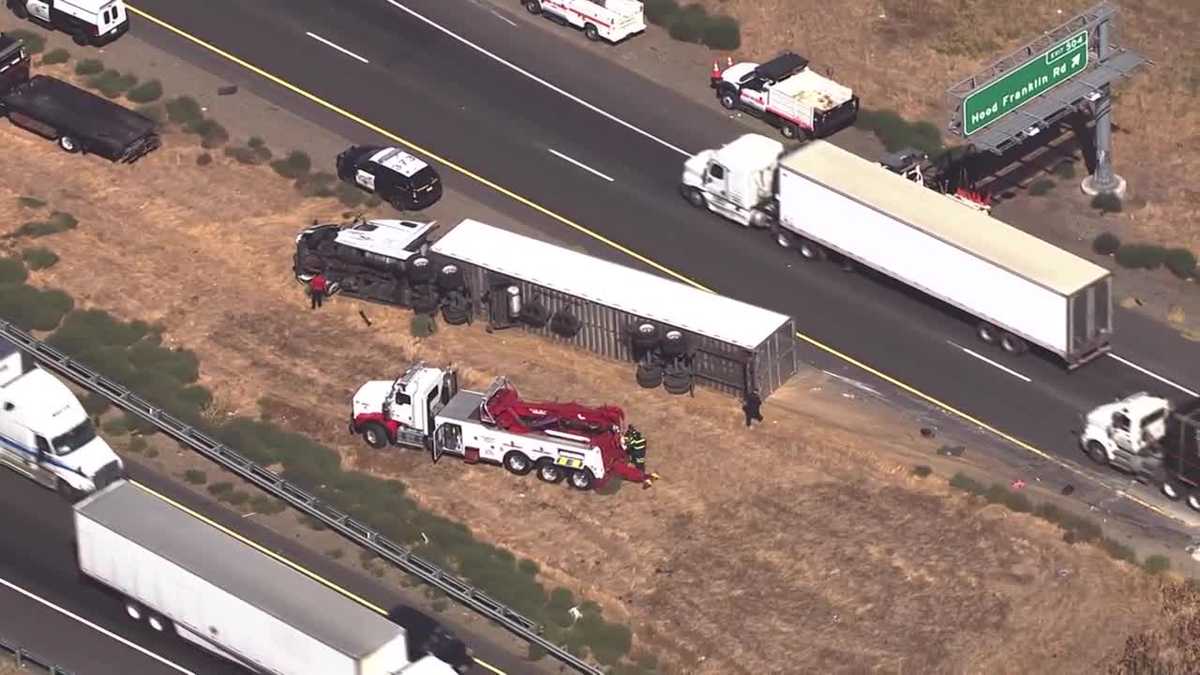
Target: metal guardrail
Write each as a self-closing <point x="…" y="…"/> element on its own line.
<point x="24" y="657"/>
<point x="358" y="532"/>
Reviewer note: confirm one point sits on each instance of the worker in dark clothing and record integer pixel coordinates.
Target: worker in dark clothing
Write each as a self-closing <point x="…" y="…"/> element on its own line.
<point x="751" y="406"/>
<point x="316" y="290"/>
<point x="635" y="445"/>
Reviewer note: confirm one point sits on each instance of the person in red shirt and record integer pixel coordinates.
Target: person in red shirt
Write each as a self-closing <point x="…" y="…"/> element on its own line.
<point x="317" y="287"/>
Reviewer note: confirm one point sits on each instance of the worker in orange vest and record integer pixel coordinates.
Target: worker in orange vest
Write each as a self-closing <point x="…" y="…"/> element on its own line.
<point x="317" y="287"/>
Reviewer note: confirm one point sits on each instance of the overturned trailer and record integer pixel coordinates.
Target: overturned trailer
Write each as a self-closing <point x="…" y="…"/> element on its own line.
<point x="677" y="334"/>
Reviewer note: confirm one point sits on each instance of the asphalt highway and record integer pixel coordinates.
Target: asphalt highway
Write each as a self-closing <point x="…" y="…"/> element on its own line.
<point x="37" y="556"/>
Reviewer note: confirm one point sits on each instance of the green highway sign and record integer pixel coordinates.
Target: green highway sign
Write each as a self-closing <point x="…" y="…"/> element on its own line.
<point x="1037" y="76"/>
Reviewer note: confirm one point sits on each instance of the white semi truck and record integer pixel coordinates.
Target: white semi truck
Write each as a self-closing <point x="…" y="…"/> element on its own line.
<point x="46" y="434"/>
<point x="824" y="201"/>
<point x="180" y="574"/>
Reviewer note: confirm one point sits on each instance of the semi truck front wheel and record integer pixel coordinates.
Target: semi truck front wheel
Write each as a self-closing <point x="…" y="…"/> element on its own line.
<point x="375" y="435"/>
<point x="68" y="144"/>
<point x="1095" y="450"/>
<point x="693" y="195"/>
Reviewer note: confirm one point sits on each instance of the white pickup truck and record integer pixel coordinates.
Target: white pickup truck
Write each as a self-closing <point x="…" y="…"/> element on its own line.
<point x="611" y="20"/>
<point x="788" y="95"/>
<point x="45" y="433"/>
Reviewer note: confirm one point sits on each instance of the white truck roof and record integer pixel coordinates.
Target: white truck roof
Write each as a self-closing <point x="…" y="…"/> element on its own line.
<point x="813" y="90"/>
<point x="940" y="216"/>
<point x="44" y="403"/>
<point x="389" y="237"/>
<point x="624" y="288"/>
<point x="750" y="152"/>
<point x="273" y="587"/>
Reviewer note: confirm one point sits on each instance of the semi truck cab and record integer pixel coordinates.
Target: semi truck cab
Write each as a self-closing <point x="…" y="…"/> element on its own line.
<point x="736" y="180"/>
<point x="46" y="434"/>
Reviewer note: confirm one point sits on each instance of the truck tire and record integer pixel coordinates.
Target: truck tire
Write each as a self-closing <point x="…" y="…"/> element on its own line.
<point x="375" y="435"/>
<point x="450" y="277"/>
<point x="811" y="250"/>
<point x="549" y="472"/>
<point x="134" y="610"/>
<point x="565" y="324"/>
<point x="591" y="32"/>
<point x="80" y="38"/>
<point x="790" y="131"/>
<point x="987" y="332"/>
<point x="1172" y="489"/>
<point x="420" y="270"/>
<point x="675" y="343"/>
<point x="535" y="314"/>
<point x="516" y="462"/>
<point x="782" y="237"/>
<point x="19" y="9"/>
<point x="68" y="144"/>
<point x="1095" y="450"/>
<point x="728" y="98"/>
<point x="649" y="375"/>
<point x="677" y="384"/>
<point x="157" y="622"/>
<point x="645" y="335"/>
<point x="533" y="6"/>
<point x="1013" y="344"/>
<point x="581" y="479"/>
<point x="693" y="195"/>
<point x="1193" y="499"/>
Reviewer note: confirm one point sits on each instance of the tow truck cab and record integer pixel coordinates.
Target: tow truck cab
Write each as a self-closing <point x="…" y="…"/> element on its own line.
<point x="88" y="22"/>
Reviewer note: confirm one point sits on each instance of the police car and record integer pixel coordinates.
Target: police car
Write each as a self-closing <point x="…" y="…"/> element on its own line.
<point x="402" y="180"/>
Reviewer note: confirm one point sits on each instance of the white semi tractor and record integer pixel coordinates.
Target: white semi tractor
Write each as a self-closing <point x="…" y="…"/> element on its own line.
<point x="180" y="574"/>
<point x="45" y="434"/>
<point x="824" y="201"/>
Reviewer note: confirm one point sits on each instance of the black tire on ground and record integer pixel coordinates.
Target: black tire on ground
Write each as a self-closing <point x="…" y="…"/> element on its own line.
<point x="375" y="435"/>
<point x="987" y="332"/>
<point x="676" y="384"/>
<point x="565" y="324"/>
<point x="591" y="32"/>
<point x="581" y="479"/>
<point x="450" y="277"/>
<point x="420" y="270"/>
<point x="516" y="462"/>
<point x="649" y="375"/>
<point x="1173" y="489"/>
<point x="1012" y="344"/>
<point x="535" y="314"/>
<point x="549" y="472"/>
<point x="811" y="250"/>
<point x="693" y="195"/>
<point x="1096" y="451"/>
<point x="18" y="8"/>
<point x="454" y="316"/>
<point x="675" y="343"/>
<point x="533" y="6"/>
<point x="80" y="38"/>
<point x="645" y="334"/>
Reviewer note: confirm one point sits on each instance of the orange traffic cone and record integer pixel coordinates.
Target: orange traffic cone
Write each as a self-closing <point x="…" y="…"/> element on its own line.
<point x="716" y="71"/>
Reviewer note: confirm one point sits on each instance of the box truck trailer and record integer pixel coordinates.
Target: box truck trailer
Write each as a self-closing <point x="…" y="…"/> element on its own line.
<point x="180" y="574"/>
<point x="824" y="201"/>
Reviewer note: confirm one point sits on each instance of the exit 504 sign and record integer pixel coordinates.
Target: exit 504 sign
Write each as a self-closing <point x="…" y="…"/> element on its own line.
<point x="1017" y="87"/>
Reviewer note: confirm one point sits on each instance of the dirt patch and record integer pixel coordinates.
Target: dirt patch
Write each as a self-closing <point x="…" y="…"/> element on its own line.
<point x="808" y="525"/>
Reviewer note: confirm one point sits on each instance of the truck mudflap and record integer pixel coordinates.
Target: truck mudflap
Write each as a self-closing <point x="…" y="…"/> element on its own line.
<point x="829" y="121"/>
<point x="1088" y="355"/>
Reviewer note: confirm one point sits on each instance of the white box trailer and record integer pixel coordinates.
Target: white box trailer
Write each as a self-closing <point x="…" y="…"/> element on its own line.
<point x="1020" y="288"/>
<point x="176" y="571"/>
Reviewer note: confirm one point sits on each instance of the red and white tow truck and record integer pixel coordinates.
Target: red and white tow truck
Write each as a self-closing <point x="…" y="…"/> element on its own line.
<point x="424" y="408"/>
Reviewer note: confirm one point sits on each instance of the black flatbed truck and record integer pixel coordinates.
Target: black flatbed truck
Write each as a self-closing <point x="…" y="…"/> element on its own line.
<point x="76" y="119"/>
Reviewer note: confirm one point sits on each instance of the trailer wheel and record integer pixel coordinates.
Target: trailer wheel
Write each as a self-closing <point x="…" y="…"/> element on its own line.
<point x="533" y="6"/>
<point x="784" y="238"/>
<point x="1193" y="500"/>
<point x="375" y="435"/>
<point x="80" y="38"/>
<point x="581" y="479"/>
<point x="591" y="32"/>
<point x="649" y="375"/>
<point x="157" y="623"/>
<point x="134" y="610"/>
<point x="1172" y="490"/>
<point x="811" y="250"/>
<point x="986" y="332"/>
<point x="516" y="462"/>
<point x="1095" y="450"/>
<point x="549" y="472"/>
<point x="693" y="195"/>
<point x="68" y="144"/>
<point x="18" y="8"/>
<point x="1012" y="344"/>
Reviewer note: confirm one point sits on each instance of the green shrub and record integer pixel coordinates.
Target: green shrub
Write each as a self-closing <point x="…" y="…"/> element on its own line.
<point x="1118" y="550"/>
<point x="220" y="488"/>
<point x="1065" y="169"/>
<point x="184" y="110"/>
<point x="1181" y="262"/>
<point x="660" y="12"/>
<point x="116" y="426"/>
<point x="1041" y="186"/>
<point x="316" y="184"/>
<point x="151" y="452"/>
<point x="1079" y="529"/>
<point x="296" y="164"/>
<point x="527" y="566"/>
<point x="112" y="83"/>
<point x="422" y="325"/>
<point x="90" y="329"/>
<point x="89" y="67"/>
<point x="95" y="404"/>
<point x="195" y="476"/>
<point x="203" y="159"/>
<point x="256" y="142"/>
<point x="536" y="652"/>
<point x="251" y="154"/>
<point x="56" y="56"/>
<point x="1140" y="256"/>
<point x="12" y="271"/>
<point x="335" y="553"/>
<point x="1157" y="564"/>
<point x="439" y="605"/>
<point x="688" y="25"/>
<point x="267" y="505"/>
<point x="57" y="223"/>
<point x="180" y="364"/>
<point x="1107" y="202"/>
<point x="34" y="42"/>
<point x="39" y="257"/>
<point x="722" y="33"/>
<point x="139" y="445"/>
<point x="153" y="111"/>
<point x="349" y="195"/>
<point x="211" y="133"/>
<point x="237" y="497"/>
<point x="33" y="308"/>
<point x="964" y="482"/>
<point x="896" y="133"/>
<point x="148" y="91"/>
<point x="1106" y="243"/>
<point x="31" y="202"/>
<point x="921" y="471"/>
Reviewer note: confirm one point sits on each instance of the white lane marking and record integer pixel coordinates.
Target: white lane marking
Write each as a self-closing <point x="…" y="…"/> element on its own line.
<point x="579" y="164"/>
<point x="537" y="79"/>
<point x="93" y="626"/>
<point x="1156" y="376"/>
<point x="503" y="18"/>
<point x="340" y="48"/>
<point x="985" y="359"/>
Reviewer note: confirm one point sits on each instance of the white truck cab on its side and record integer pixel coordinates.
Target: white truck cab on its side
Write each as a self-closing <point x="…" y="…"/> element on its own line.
<point x="89" y="22"/>
<point x="46" y="434"/>
<point x="1126" y="432"/>
<point x="611" y="20"/>
<point x="735" y="180"/>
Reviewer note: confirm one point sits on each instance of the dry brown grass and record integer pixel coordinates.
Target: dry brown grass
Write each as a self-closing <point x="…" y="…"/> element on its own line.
<point x="903" y="54"/>
<point x="799" y="542"/>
